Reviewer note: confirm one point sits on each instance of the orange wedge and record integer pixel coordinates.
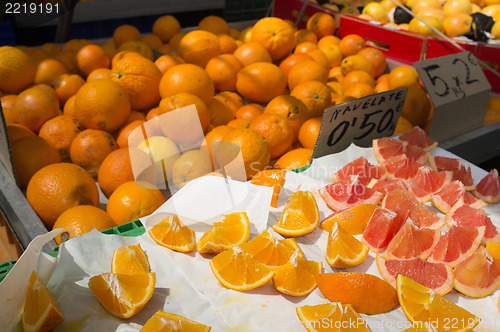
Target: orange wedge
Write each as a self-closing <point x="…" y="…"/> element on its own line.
<point x="171" y="233"/>
<point x="422" y="304"/>
<point x="352" y="220"/>
<point x="168" y="322"/>
<point x="233" y="231"/>
<point x="274" y="178"/>
<point x="297" y="277"/>
<point x="344" y="250"/>
<point x="130" y="260"/>
<point x="325" y="317"/>
<point x="300" y="215"/>
<point x="494" y="249"/>
<point x="123" y="295"/>
<point x="236" y="270"/>
<point x="291" y="243"/>
<point x="41" y="311"/>
<point x="269" y="251"/>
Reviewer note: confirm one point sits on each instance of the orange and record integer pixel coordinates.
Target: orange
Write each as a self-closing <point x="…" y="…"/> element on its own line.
<point x="274" y="178"/>
<point x="30" y="154"/>
<point x="187" y="78"/>
<point x="166" y="49"/>
<point x="276" y="131"/>
<point x="41" y="311"/>
<point x="358" y="76"/>
<point x="167" y="61"/>
<point x="344" y="250"/>
<point x="34" y="106"/>
<point x="123" y="295"/>
<point x="67" y="85"/>
<point x="69" y="107"/>
<point x="315" y="95"/>
<point x="306" y="71"/>
<point x="79" y="220"/>
<point x="336" y="90"/>
<point x="437" y="12"/>
<point x="252" y="52"/>
<point x="232" y="231"/>
<point x="425" y="4"/>
<point x="305" y="47"/>
<point x="17" y="131"/>
<point x="377" y="11"/>
<point x="220" y="113"/>
<point x="417" y="106"/>
<point x="60" y="131"/>
<point x="290" y="108"/>
<point x="336" y="314"/>
<point x="48" y="70"/>
<point x="58" y="187"/>
<point x="17" y="71"/>
<point x="217" y="134"/>
<point x="236" y="270"/>
<point x="136" y="115"/>
<point x="176" y="39"/>
<point x="52" y="48"/>
<point x="297" y="277"/>
<point x="124" y="54"/>
<point x="76" y="44"/>
<point x="309" y="131"/>
<point x="191" y="165"/>
<point x="122" y="139"/>
<point x="328" y="40"/>
<point x="322" y="24"/>
<point x="152" y="113"/>
<point x="35" y="54"/>
<point x="333" y="54"/>
<point x="140" y="78"/>
<point x="457" y="24"/>
<point x="166" y="27"/>
<point x="117" y="168"/>
<point x="305" y="35"/>
<point x="422" y="304"/>
<point x="163" y="152"/>
<point x="231" y="99"/>
<point x="152" y="41"/>
<point x="353" y="287"/>
<point x="320" y="57"/>
<point x="124" y="33"/>
<point x="102" y="104"/>
<point x="300" y="215"/>
<point x="181" y="128"/>
<point x="130" y="260"/>
<point x="214" y="24"/>
<point x="294" y="159"/>
<point x="402" y="126"/>
<point x="110" y="48"/>
<point x="358" y="90"/>
<point x="138" y="47"/>
<point x="356" y="62"/>
<point x="133" y="200"/>
<point x="68" y="58"/>
<point x="171" y="233"/>
<point x="382" y="85"/>
<point x="8" y="101"/>
<point x="223" y="69"/>
<point x="261" y="82"/>
<point x="253" y="147"/>
<point x="92" y="57"/>
<point x="403" y="76"/>
<point x="291" y="60"/>
<point x="416" y="25"/>
<point x="239" y="123"/>
<point x="376" y="57"/>
<point x="276" y="35"/>
<point x="198" y="47"/>
<point x="335" y="74"/>
<point x="227" y="44"/>
<point x="164" y="320"/>
<point x="249" y="111"/>
<point x="457" y="6"/>
<point x="246" y="35"/>
<point x="99" y="73"/>
<point x="351" y="44"/>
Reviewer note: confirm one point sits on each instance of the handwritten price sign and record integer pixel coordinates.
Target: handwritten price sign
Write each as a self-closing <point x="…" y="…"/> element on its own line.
<point x="459" y="91"/>
<point x="359" y="121"/>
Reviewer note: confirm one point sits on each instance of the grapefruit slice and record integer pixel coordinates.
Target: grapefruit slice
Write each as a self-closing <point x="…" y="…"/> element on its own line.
<point x="445" y="198"/>
<point x="488" y="189"/>
<point x="420" y="194"/>
<point x="437" y="276"/>
<point x="387" y="147"/>
<point x="478" y="275"/>
<point x="400" y="167"/>
<point x="412" y="242"/>
<point x="386" y="186"/>
<point x="363" y="169"/>
<point x="417" y="137"/>
<point x="431" y="181"/>
<point x="413" y="152"/>
<point x="403" y="203"/>
<point x="457" y="244"/>
<point x="473" y="201"/>
<point x="348" y="193"/>
<point x="460" y="172"/>
<point x="381" y="228"/>
<point x="464" y="215"/>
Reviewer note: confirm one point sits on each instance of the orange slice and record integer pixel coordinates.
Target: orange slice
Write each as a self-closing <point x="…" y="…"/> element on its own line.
<point x="344" y="250"/>
<point x="352" y="220"/>
<point x="494" y="249"/>
<point x="274" y="178"/>
<point x="169" y="322"/>
<point x="236" y="270"/>
<point x="297" y="277"/>
<point x="300" y="215"/>
<point x="171" y="233"/>
<point x="269" y="251"/>
<point x="234" y="230"/>
<point x="130" y="260"/>
<point x="422" y="304"/>
<point x="41" y="311"/>
<point x="291" y="243"/>
<point x="368" y="294"/>
<point x="334" y="314"/>
<point x="123" y="295"/>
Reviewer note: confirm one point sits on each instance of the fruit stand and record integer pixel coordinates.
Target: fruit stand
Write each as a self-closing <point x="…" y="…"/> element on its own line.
<point x="211" y="198"/>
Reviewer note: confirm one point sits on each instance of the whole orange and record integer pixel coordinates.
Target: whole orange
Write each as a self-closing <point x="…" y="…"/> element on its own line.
<point x="239" y="123"/>
<point x="79" y="220"/>
<point x="291" y="61"/>
<point x="403" y="76"/>
<point x="8" y="100"/>
<point x="358" y="90"/>
<point x="69" y="106"/>
<point x="417" y="106"/>
<point x="30" y="154"/>
<point x="133" y="200"/>
<point x="167" y="61"/>
<point x="291" y="108"/>
<point x="90" y="147"/>
<point x="198" y="47"/>
<point x="306" y="71"/>
<point x="356" y="62"/>
<point x="58" y="187"/>
<point x="305" y="35"/>
<point x="351" y="44"/>
<point x="122" y="140"/>
<point x="67" y="85"/>
<point x="52" y="48"/>
<point x="214" y="24"/>
<point x="187" y="78"/>
<point x="191" y="165"/>
<point x="16" y="131"/>
<point x="152" y="41"/>
<point x="333" y="54"/>
<point x="139" y="47"/>
<point x="377" y="59"/>
<point x="358" y="76"/>
<point x="315" y="95"/>
<point x="294" y="159"/>
<point x="99" y="73"/>
<point x="48" y="70"/>
<point x="457" y="24"/>
<point x="276" y="35"/>
<point x="68" y="57"/>
<point x="166" y="27"/>
<point x="17" y="71"/>
<point x="223" y="69"/>
<point x="60" y="132"/>
<point x="231" y="99"/>
<point x="322" y="24"/>
<point x="123" y="165"/>
<point x="227" y="44"/>
<point x="277" y="132"/>
<point x="261" y="82"/>
<point x="305" y="47"/>
<point x="308" y="133"/>
<point x="92" y="57"/>
<point x="176" y="39"/>
<point x="125" y="33"/>
<point x="328" y="40"/>
<point x="102" y="104"/>
<point x="320" y="57"/>
<point x="220" y="113"/>
<point x="249" y="111"/>
<point x="36" y="105"/>
<point x="252" y="52"/>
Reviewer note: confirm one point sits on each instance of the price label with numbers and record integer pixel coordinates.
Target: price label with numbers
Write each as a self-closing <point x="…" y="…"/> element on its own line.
<point x="459" y="92"/>
<point x="359" y="121"/>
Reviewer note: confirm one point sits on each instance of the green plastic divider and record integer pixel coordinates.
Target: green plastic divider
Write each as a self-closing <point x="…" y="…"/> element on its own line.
<point x="301" y="169"/>
<point x="131" y="229"/>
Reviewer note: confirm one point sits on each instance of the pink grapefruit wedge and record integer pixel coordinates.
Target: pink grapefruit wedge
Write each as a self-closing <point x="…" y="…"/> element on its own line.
<point x="386" y="186"/>
<point x="387" y="147"/>
<point x="419" y="155"/>
<point x="363" y="169"/>
<point x="401" y="167"/>
<point x="445" y="198"/>
<point x="457" y="166"/>
<point x="381" y="228"/>
<point x="417" y="137"/>
<point x="431" y="181"/>
<point x="488" y="189"/>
